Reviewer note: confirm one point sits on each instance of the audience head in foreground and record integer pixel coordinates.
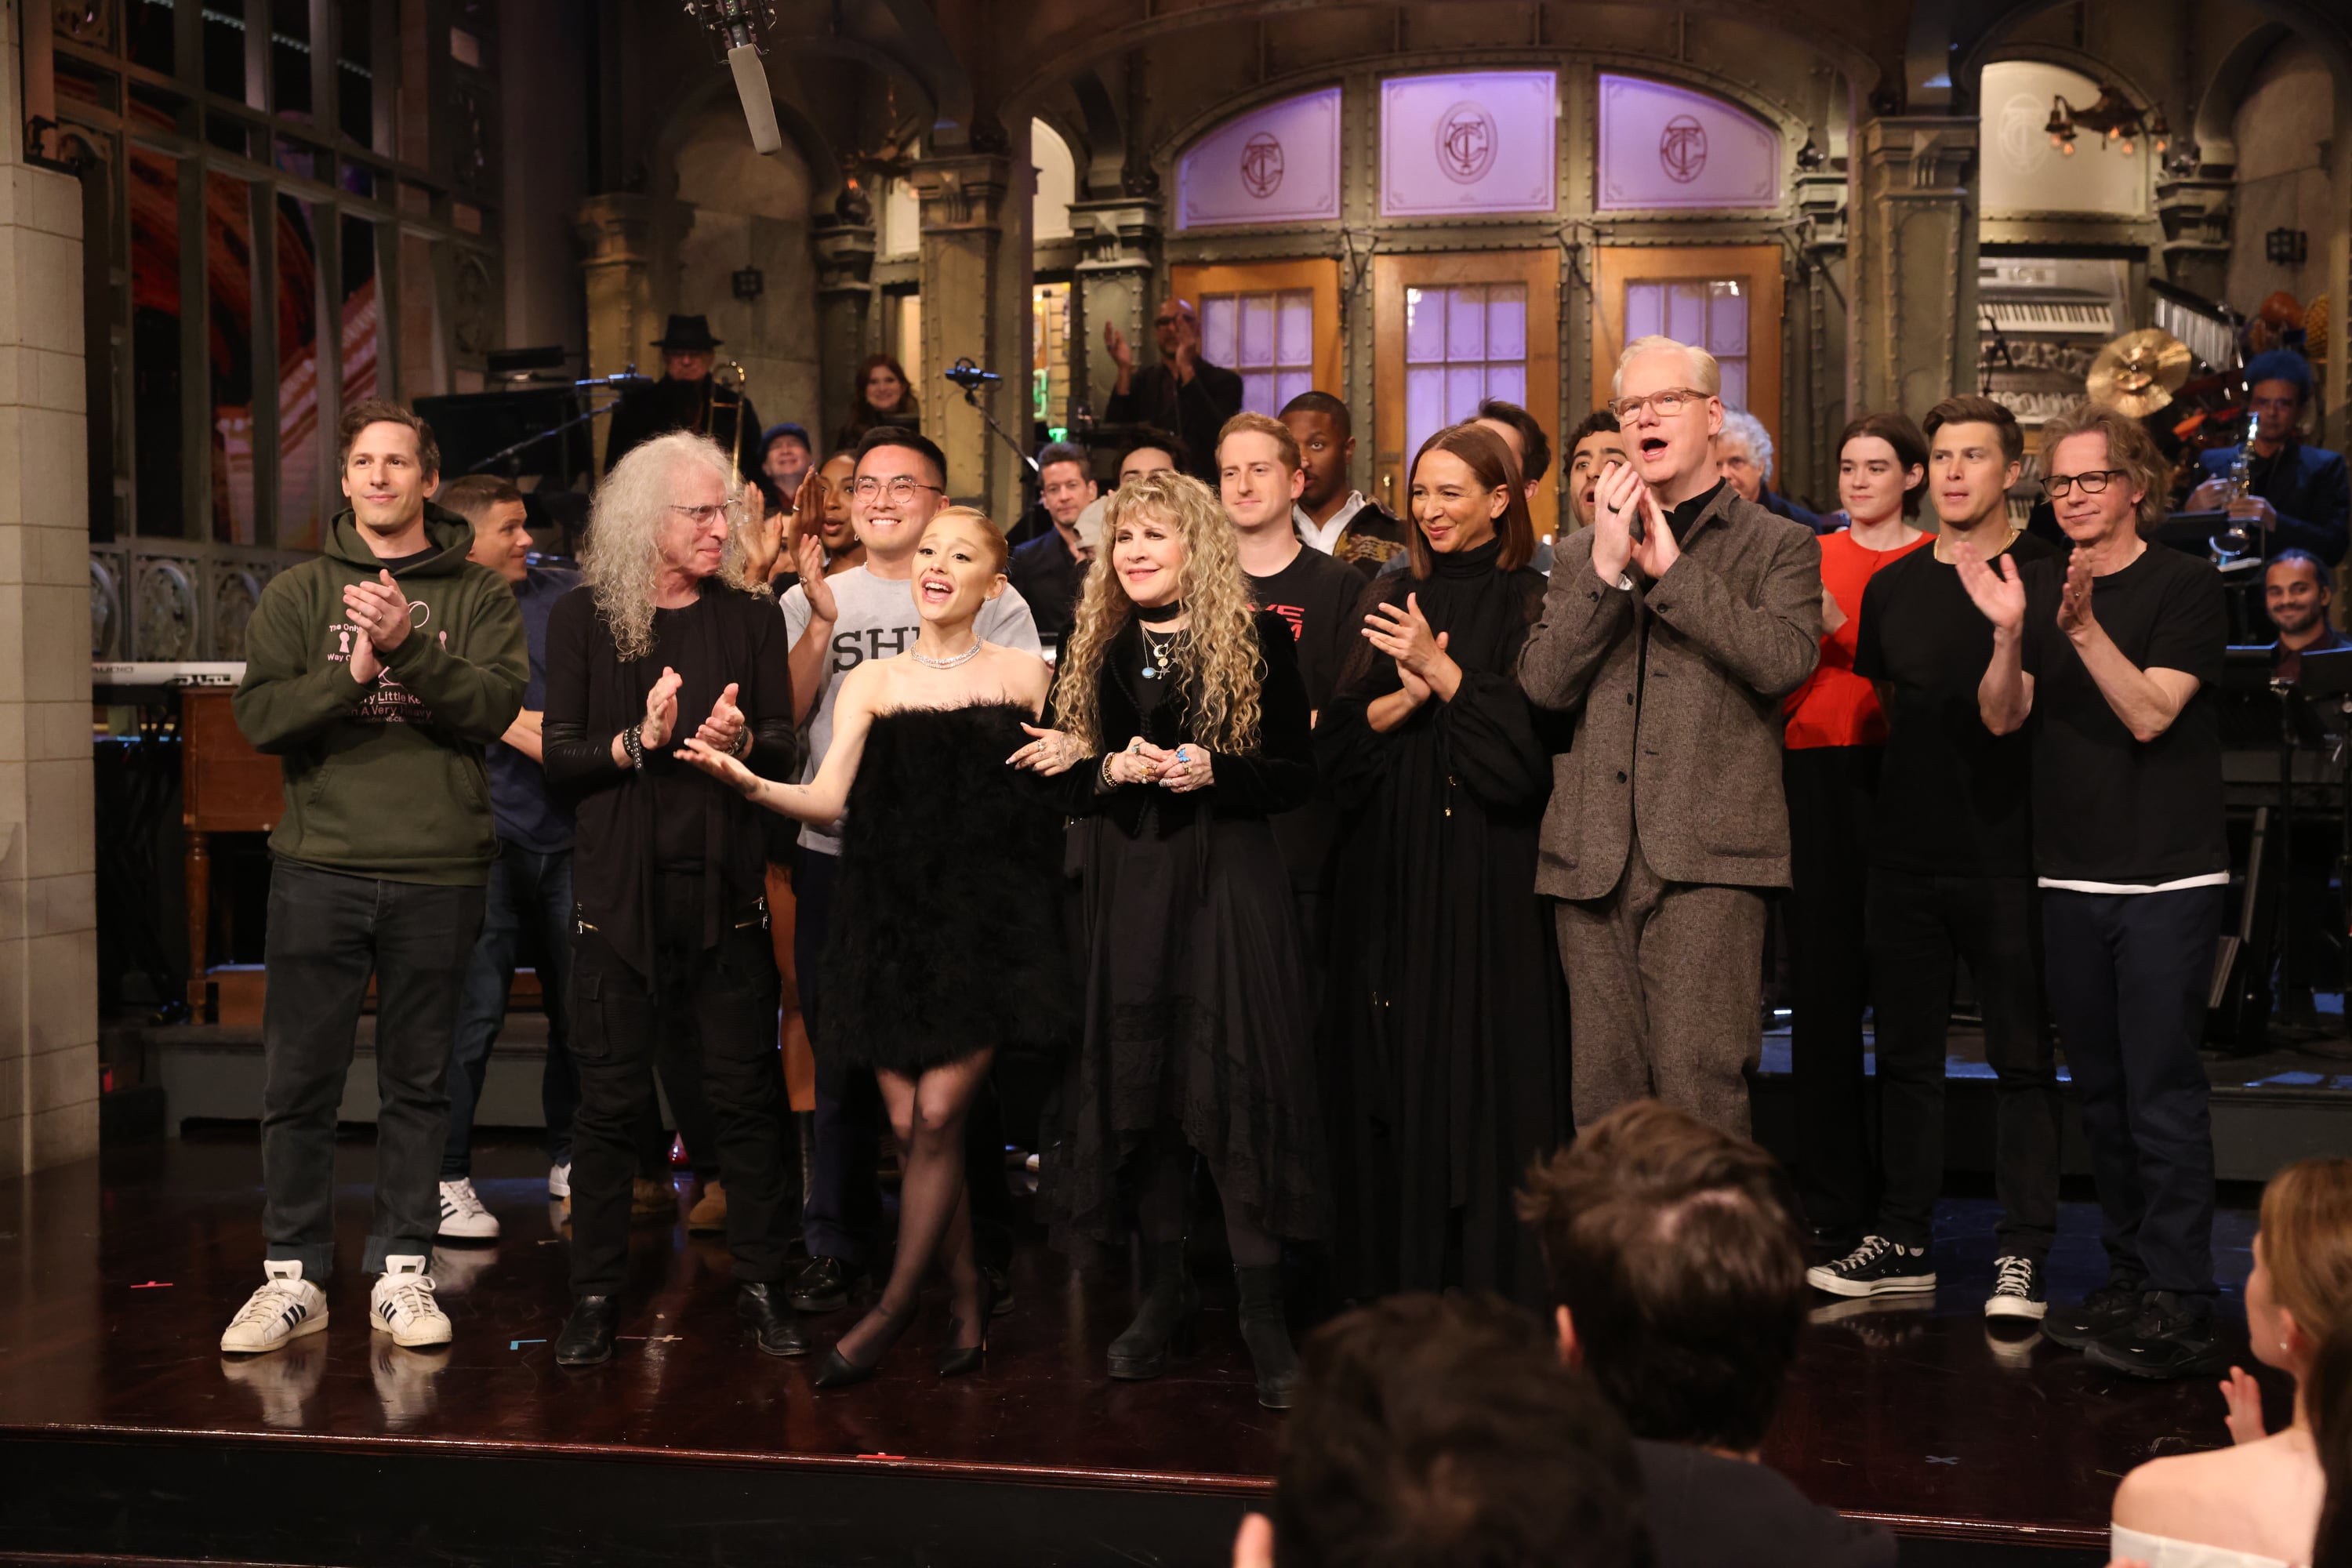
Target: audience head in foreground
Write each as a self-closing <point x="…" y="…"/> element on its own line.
<point x="1678" y="1276"/>
<point x="1677" y="1272"/>
<point x="1440" y="1430"/>
<point x="2261" y="1500"/>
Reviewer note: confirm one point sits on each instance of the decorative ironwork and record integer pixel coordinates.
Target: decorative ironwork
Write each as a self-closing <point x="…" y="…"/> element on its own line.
<point x="166" y="611"/>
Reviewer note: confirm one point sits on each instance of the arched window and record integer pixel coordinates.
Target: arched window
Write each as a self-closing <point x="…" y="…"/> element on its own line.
<point x="1668" y="147"/>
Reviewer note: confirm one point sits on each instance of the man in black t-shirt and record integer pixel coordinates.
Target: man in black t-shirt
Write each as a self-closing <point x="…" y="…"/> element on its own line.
<point x="1951" y="878"/>
<point x="2116" y="659"/>
<point x="1259" y="479"/>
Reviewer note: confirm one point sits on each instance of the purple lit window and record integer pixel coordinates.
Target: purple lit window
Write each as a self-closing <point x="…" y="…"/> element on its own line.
<point x="1668" y="147"/>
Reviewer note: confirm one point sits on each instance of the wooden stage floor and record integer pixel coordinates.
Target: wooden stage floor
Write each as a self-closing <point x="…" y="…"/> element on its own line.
<point x="123" y="1431"/>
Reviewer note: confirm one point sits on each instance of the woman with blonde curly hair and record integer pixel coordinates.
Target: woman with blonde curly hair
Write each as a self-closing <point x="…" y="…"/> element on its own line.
<point x="2257" y="1504"/>
<point x="1182" y="725"/>
<point x="671" y="950"/>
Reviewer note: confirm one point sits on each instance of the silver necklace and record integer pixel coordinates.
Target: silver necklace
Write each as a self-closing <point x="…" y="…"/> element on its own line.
<point x="1156" y="654"/>
<point x="927" y="662"/>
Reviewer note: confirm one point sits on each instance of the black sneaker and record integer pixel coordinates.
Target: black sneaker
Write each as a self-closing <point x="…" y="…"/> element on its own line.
<point x="827" y="1285"/>
<point x="2017" y="1290"/>
<point x="2110" y="1307"/>
<point x="2174" y="1336"/>
<point x="1877" y="1267"/>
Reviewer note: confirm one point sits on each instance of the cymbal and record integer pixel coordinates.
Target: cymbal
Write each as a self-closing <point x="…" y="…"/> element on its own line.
<point x="2137" y="374"/>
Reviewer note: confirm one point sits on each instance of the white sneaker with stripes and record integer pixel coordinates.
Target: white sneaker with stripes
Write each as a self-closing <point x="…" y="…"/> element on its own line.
<point x="463" y="1217"/>
<point x="402" y="1304"/>
<point x="286" y="1308"/>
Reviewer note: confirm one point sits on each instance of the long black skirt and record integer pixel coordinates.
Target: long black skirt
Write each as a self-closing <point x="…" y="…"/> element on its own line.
<point x="1198" y="1022"/>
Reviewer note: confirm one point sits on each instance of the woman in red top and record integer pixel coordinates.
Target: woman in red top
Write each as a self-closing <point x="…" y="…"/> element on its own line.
<point x="1836" y="733"/>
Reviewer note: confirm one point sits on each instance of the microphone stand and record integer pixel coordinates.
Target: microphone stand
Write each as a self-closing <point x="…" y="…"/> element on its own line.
<point x="1030" y="479"/>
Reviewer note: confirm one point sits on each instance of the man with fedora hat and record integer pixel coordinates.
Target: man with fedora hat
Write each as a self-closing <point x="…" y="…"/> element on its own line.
<point x="682" y="400"/>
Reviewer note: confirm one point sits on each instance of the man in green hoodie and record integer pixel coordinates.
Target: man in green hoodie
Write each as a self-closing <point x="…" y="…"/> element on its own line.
<point x="375" y="673"/>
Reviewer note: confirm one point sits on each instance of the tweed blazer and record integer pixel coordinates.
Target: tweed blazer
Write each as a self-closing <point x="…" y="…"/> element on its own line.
<point x="1676" y="690"/>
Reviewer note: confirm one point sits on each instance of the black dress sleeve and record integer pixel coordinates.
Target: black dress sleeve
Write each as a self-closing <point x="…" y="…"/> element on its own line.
<point x="1490" y="742"/>
<point x="1280" y="774"/>
<point x="574" y="755"/>
<point x="1073" y="791"/>
<point x="1353" y="757"/>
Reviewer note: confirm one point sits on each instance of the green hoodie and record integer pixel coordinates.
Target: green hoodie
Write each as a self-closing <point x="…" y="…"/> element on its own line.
<point x="385" y="780"/>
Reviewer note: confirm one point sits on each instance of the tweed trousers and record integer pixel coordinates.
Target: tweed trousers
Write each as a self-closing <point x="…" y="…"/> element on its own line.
<point x="1663" y="983"/>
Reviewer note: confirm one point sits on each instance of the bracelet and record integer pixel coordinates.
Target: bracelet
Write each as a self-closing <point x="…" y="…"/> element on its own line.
<point x="740" y="747"/>
<point x="633" y="745"/>
<point x="1103" y="771"/>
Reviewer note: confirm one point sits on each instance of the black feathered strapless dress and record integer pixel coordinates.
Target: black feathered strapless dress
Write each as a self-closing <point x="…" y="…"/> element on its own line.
<point x="946" y="936"/>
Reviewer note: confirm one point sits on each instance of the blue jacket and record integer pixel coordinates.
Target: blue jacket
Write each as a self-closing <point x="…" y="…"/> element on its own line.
<point x="2307" y="487"/>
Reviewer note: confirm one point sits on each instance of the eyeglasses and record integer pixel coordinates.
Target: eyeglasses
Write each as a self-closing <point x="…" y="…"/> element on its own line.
<point x="901" y="488"/>
<point x="1664" y="404"/>
<point x="732" y="510"/>
<point x="2094" y="483"/>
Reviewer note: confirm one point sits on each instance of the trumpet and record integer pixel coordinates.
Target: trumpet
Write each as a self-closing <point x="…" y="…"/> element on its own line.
<point x="729" y="380"/>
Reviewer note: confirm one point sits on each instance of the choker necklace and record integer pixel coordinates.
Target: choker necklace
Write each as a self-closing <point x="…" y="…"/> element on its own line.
<point x="1159" y="615"/>
<point x="927" y="662"/>
<point x="1158" y="654"/>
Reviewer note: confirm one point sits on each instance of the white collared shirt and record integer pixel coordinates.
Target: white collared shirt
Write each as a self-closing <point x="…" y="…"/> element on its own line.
<point x="1326" y="538"/>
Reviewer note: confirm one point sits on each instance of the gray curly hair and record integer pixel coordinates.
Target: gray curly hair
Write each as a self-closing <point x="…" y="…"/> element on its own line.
<point x="621" y="559"/>
<point x="1744" y="428"/>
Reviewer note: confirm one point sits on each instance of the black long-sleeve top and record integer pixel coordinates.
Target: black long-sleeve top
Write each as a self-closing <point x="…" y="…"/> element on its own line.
<point x="667" y="816"/>
<point x="1279" y="776"/>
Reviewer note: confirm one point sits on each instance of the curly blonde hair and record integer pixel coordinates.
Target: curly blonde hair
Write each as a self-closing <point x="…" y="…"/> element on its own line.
<point x="621" y="560"/>
<point x="1217" y="659"/>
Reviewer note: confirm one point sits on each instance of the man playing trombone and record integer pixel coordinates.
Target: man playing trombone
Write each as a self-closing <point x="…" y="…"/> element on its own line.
<point x="688" y="397"/>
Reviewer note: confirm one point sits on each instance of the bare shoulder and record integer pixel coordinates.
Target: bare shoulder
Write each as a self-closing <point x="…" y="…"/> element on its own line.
<point x="1026" y="677"/>
<point x="2254" y="1496"/>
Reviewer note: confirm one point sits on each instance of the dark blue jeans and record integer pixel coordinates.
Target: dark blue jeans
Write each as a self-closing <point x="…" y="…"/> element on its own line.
<point x="528" y="892"/>
<point x="327" y="933"/>
<point x="2128" y="975"/>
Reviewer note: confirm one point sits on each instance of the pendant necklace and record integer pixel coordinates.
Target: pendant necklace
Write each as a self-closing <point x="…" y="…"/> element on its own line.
<point x="1157" y="650"/>
<point x="927" y="662"/>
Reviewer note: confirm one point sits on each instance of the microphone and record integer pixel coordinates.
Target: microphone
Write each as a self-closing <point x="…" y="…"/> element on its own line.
<point x="737" y="30"/>
<point x="970" y="376"/>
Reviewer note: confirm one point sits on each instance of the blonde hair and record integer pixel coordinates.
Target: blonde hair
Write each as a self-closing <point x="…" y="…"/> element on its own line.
<point x="1217" y="657"/>
<point x="2306" y="1225"/>
<point x="621" y="560"/>
<point x="1286" y="442"/>
<point x="1706" y="374"/>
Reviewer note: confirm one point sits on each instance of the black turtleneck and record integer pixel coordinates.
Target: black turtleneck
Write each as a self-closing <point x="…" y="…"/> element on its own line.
<point x="1681" y="518"/>
<point x="1468" y="563"/>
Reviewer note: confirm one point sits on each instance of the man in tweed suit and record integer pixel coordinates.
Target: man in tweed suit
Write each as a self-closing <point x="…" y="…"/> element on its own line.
<point x="1672" y="628"/>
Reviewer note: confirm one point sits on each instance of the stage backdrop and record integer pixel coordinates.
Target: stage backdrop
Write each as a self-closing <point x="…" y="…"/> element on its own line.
<point x="1276" y="164"/>
<point x="1668" y="147"/>
<point x="1483" y="141"/>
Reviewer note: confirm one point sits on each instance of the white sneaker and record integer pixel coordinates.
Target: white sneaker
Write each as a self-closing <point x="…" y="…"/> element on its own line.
<point x="402" y="1304"/>
<point x="559" y="1180"/>
<point x="463" y="1217"/>
<point x="286" y="1308"/>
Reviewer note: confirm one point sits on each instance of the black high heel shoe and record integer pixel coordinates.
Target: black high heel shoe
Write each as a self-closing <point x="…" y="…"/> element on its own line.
<point x="837" y="1371"/>
<point x="956" y="1361"/>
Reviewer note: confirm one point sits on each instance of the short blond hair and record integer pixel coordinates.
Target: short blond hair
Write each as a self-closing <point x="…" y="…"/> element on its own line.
<point x="1706" y="374"/>
<point x="1285" y="442"/>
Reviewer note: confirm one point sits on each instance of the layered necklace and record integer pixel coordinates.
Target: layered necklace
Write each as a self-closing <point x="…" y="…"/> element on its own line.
<point x="1159" y="649"/>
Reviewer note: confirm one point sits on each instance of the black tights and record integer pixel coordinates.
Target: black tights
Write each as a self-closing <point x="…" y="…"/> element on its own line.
<point x="928" y="1115"/>
<point x="1169" y="1182"/>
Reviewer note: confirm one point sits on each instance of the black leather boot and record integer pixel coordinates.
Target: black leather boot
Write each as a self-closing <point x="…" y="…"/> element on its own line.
<point x="1166" y="1320"/>
<point x="586" y="1337"/>
<point x="1267" y="1333"/>
<point x="773" y="1322"/>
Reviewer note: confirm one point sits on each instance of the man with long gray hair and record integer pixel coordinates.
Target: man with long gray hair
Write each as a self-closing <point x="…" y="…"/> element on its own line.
<point x="1672" y="628"/>
<point x="670" y="867"/>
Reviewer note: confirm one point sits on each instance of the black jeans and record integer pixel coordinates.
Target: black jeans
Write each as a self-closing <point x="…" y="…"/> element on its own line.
<point x="717" y="1006"/>
<point x="1832" y="795"/>
<point x="529" y="891"/>
<point x="2129" y="977"/>
<point x="844" y="1216"/>
<point x="327" y="933"/>
<point x="1918" y="925"/>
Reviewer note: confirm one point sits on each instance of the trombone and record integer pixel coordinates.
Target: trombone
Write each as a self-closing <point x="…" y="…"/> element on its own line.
<point x="728" y="381"/>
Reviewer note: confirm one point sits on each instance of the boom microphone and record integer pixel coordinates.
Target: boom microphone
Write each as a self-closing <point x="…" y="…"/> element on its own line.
<point x="970" y="376"/>
<point x="737" y="30"/>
